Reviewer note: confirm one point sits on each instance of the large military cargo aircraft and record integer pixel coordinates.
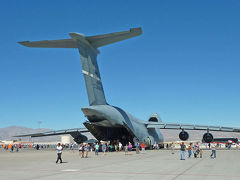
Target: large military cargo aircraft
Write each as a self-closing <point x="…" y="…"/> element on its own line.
<point x="107" y="122"/>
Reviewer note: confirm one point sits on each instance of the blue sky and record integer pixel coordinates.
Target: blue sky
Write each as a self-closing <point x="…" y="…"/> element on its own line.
<point x="185" y="65"/>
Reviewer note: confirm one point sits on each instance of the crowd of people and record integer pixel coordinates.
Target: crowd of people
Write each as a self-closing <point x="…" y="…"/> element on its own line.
<point x="11" y="147"/>
<point x="190" y="150"/>
<point x="195" y="150"/>
<point x="105" y="147"/>
<point x="15" y="147"/>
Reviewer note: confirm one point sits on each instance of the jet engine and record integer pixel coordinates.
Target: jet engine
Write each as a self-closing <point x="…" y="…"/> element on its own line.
<point x="207" y="137"/>
<point x="183" y="135"/>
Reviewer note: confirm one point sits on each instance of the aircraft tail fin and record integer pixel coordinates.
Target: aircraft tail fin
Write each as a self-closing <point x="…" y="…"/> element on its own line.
<point x="87" y="46"/>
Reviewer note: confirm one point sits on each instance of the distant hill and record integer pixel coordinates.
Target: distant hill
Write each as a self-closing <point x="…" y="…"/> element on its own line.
<point x="7" y="133"/>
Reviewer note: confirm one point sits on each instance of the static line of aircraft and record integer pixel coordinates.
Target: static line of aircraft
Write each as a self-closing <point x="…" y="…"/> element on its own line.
<point x="107" y="122"/>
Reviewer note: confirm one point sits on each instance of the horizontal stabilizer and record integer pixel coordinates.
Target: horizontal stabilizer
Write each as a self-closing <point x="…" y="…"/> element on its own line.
<point x="94" y="41"/>
<point x="62" y="43"/>
<point x="105" y="39"/>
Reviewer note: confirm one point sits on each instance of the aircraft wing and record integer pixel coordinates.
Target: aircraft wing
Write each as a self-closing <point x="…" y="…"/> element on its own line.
<point x="190" y="127"/>
<point x="58" y="132"/>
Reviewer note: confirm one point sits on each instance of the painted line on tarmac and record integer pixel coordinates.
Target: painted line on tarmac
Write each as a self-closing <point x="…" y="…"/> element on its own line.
<point x="70" y="170"/>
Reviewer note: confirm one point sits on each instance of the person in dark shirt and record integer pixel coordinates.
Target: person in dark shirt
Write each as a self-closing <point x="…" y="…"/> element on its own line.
<point x="182" y="151"/>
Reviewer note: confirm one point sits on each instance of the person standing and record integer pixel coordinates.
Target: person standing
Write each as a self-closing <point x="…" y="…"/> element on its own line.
<point x="137" y="148"/>
<point x="120" y="146"/>
<point x="143" y="146"/>
<point x="86" y="148"/>
<point x="59" y="153"/>
<point x="104" y="148"/>
<point x="16" y="147"/>
<point x="10" y="147"/>
<point x="173" y="147"/>
<point x="182" y="151"/>
<point x="237" y="146"/>
<point x="83" y="150"/>
<point x="80" y="149"/>
<point x="213" y="155"/>
<point x="96" y="149"/>
<point x="190" y="150"/>
<point x="129" y="147"/>
<point x="195" y="151"/>
<point x="200" y="153"/>
<point x="126" y="149"/>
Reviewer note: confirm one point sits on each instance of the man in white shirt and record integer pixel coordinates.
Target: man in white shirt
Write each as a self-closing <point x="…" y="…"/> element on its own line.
<point x="213" y="147"/>
<point x="120" y="146"/>
<point x="59" y="153"/>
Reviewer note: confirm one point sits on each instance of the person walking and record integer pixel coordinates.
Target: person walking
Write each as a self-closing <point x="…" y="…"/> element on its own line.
<point x="182" y="151"/>
<point x="59" y="153"/>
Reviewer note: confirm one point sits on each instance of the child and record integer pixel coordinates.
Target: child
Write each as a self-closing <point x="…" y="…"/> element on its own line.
<point x="86" y="148"/>
<point x="126" y="149"/>
<point x="201" y="152"/>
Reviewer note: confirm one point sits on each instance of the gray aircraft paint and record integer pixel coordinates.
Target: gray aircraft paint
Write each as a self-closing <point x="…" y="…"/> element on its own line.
<point x="99" y="113"/>
<point x="88" y="56"/>
<point x="108" y="122"/>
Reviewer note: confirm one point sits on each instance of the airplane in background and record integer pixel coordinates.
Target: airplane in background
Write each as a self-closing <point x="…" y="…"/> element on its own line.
<point x="107" y="122"/>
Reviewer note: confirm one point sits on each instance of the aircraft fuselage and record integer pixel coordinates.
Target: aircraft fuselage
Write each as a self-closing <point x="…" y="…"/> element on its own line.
<point x="108" y="122"/>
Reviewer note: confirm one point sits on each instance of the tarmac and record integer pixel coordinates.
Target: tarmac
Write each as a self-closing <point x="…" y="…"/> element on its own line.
<point x="148" y="165"/>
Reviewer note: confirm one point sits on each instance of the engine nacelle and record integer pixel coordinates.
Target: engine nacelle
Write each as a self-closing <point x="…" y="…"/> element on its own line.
<point x="207" y="137"/>
<point x="183" y="135"/>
